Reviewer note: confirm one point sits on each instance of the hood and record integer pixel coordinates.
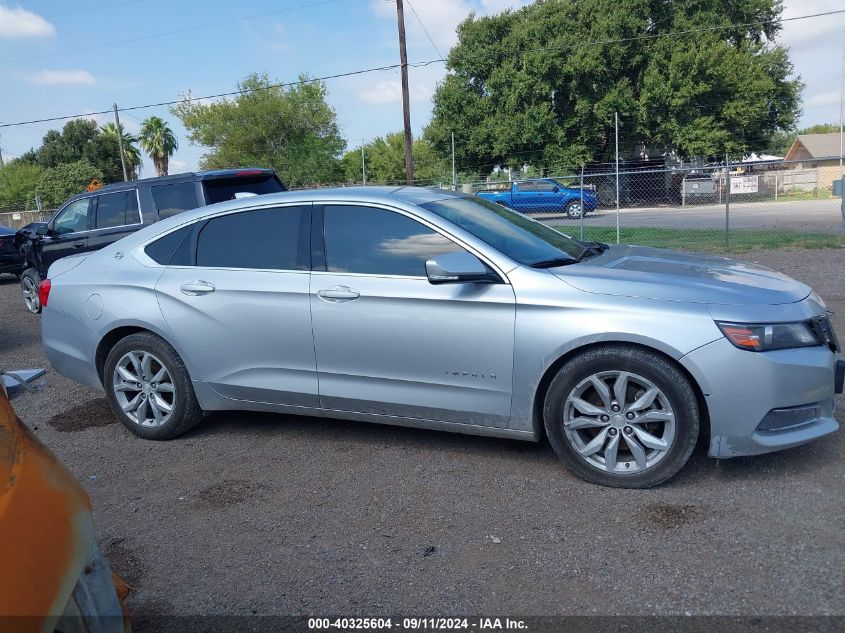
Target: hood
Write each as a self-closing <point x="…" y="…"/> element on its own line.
<point x="650" y="273"/>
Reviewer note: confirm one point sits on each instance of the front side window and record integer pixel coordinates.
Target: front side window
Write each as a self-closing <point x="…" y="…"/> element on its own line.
<point x="266" y="239"/>
<point x="73" y="218"/>
<point x="172" y="199"/>
<point x="379" y="242"/>
<point x="519" y="237"/>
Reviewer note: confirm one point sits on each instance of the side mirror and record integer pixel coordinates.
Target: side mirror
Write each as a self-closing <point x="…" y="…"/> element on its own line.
<point x="43" y="229"/>
<point x="456" y="268"/>
<point x="557" y="189"/>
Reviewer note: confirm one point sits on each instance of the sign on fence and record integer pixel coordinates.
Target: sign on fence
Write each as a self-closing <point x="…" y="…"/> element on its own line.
<point x="744" y="184"/>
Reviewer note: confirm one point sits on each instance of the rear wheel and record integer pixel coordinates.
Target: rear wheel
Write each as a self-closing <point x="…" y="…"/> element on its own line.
<point x="622" y="416"/>
<point x="573" y="209"/>
<point x="149" y="388"/>
<point x="30" y="280"/>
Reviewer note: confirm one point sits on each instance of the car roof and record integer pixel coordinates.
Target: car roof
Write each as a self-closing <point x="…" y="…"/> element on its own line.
<point x="191" y="175"/>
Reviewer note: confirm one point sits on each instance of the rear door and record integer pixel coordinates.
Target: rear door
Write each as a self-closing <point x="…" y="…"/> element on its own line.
<point x="238" y="305"/>
<point x="68" y="232"/>
<point x="116" y="215"/>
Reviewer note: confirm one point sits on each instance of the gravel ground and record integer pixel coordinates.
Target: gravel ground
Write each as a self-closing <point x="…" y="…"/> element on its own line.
<point x="271" y="514"/>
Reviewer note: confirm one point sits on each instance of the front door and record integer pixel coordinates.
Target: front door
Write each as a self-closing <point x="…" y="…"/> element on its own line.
<point x="388" y="342"/>
<point x="240" y="312"/>
<point x="68" y="232"/>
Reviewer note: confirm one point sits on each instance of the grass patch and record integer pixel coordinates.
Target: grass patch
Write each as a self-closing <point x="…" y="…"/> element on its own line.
<point x="710" y="240"/>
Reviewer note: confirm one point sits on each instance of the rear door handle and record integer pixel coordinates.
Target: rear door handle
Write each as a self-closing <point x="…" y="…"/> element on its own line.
<point x="196" y="288"/>
<point x="338" y="293"/>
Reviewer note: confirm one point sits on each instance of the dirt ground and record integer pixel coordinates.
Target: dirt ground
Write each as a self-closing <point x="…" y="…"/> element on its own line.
<point x="268" y="514"/>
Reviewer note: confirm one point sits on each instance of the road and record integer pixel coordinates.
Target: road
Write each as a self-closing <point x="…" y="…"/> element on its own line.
<point x="272" y="514"/>
<point x="813" y="216"/>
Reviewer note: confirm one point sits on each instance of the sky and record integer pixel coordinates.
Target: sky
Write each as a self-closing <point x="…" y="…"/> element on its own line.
<point x="62" y="57"/>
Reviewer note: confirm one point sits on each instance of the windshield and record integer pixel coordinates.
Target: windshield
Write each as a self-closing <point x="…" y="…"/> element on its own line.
<point x="522" y="239"/>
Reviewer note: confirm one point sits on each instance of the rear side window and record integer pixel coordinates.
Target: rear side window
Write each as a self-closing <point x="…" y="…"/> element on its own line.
<point x="166" y="250"/>
<point x="222" y="189"/>
<point x="175" y="198"/>
<point x="266" y="239"/>
<point x="379" y="242"/>
<point x="117" y="209"/>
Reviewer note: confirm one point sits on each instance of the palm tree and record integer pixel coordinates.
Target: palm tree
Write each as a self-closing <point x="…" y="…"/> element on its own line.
<point x="159" y="141"/>
<point x="131" y="154"/>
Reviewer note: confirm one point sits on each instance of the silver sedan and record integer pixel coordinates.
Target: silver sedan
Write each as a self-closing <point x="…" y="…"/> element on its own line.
<point x="431" y="309"/>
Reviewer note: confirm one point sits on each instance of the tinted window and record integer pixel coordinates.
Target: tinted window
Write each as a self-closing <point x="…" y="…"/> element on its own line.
<point x="164" y="248"/>
<point x="221" y="189"/>
<point x="175" y="198"/>
<point x="73" y="218"/>
<point x="522" y="239"/>
<point x="273" y="239"/>
<point x="379" y="242"/>
<point x="544" y="186"/>
<point x="526" y="186"/>
<point x="112" y="210"/>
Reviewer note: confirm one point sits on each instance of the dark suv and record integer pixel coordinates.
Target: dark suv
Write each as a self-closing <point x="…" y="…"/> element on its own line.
<point x="94" y="219"/>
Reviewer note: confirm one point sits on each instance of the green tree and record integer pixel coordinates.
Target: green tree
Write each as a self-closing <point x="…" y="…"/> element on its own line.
<point x="80" y="139"/>
<point x="290" y="129"/>
<point x="385" y="161"/>
<point x="59" y="183"/>
<point x="540" y="85"/>
<point x="159" y="141"/>
<point x="18" y="180"/>
<point x="131" y="154"/>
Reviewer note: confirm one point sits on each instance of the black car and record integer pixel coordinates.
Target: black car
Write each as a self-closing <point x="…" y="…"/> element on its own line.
<point x="94" y="219"/>
<point x="11" y="259"/>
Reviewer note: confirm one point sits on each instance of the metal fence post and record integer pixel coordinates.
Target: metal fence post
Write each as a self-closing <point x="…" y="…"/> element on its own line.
<point x="582" y="202"/>
<point x="727" y="201"/>
<point x="842" y="198"/>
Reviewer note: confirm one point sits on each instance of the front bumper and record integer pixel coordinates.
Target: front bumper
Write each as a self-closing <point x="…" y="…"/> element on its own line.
<point x="742" y="388"/>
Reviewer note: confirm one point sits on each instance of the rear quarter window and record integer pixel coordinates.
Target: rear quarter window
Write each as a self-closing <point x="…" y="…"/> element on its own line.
<point x="174" y="198"/>
<point x="222" y="189"/>
<point x="171" y="249"/>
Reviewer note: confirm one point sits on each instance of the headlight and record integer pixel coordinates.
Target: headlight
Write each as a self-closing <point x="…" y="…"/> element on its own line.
<point x="756" y="337"/>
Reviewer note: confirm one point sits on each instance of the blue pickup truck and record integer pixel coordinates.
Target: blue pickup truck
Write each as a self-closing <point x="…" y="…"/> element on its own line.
<point x="542" y="195"/>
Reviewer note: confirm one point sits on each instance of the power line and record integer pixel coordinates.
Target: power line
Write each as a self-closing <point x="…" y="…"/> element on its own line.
<point x="189" y="29"/>
<point x="89" y="9"/>
<point x="425" y="30"/>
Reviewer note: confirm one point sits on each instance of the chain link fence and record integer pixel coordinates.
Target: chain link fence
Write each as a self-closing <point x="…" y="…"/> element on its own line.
<point x="19" y="219"/>
<point x="716" y="209"/>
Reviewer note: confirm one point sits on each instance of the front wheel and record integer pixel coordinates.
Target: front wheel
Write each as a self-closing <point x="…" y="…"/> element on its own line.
<point x="149" y="388"/>
<point x="30" y="280"/>
<point x="622" y="416"/>
<point x="573" y="209"/>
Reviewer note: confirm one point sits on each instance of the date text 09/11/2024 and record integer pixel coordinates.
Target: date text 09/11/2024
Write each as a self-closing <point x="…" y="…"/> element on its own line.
<point x="431" y="623"/>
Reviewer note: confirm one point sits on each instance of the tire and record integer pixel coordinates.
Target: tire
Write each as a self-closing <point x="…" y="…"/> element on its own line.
<point x="575" y="414"/>
<point x="573" y="209"/>
<point x="30" y="279"/>
<point x="136" y="405"/>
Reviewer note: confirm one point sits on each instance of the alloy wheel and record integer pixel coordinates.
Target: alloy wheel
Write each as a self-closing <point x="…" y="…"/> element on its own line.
<point x="30" y="294"/>
<point x="144" y="389"/>
<point x="619" y="422"/>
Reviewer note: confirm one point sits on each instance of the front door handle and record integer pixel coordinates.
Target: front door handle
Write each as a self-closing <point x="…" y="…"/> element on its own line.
<point x="196" y="288"/>
<point x="338" y="293"/>
<point x="79" y="245"/>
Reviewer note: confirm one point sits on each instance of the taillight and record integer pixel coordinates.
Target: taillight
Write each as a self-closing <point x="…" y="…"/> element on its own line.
<point x="44" y="292"/>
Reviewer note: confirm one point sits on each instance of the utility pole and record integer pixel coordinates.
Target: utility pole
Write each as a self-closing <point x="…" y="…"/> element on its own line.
<point x="363" y="164"/>
<point x="616" y="126"/>
<point x="120" y="143"/>
<point x="406" y="105"/>
<point x="841" y="107"/>
<point x="454" y="175"/>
